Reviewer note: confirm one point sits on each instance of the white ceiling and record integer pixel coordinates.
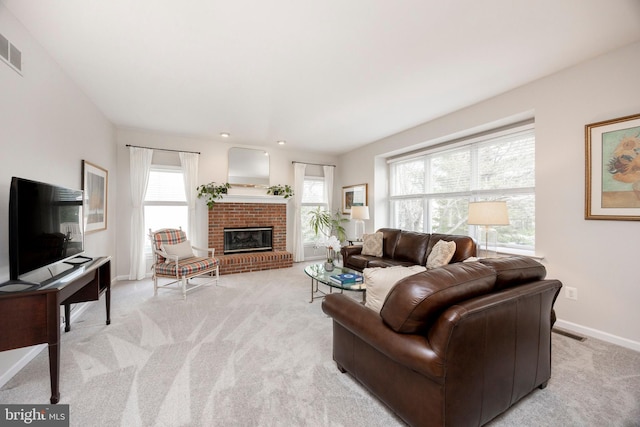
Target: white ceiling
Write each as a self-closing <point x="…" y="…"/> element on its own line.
<point x="324" y="75"/>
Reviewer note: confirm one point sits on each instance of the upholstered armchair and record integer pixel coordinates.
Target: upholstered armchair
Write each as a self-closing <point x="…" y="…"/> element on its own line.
<point x="174" y="258"/>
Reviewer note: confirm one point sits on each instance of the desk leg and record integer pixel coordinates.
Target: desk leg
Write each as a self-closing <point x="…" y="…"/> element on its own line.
<point x="54" y="370"/>
<point x="107" y="300"/>
<point x="67" y="317"/>
<point x="53" y="341"/>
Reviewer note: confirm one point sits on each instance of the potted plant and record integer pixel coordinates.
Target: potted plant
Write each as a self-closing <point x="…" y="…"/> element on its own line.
<point x="329" y="232"/>
<point x="333" y="249"/>
<point x="325" y="223"/>
<point x="280" y="190"/>
<point x="212" y="192"/>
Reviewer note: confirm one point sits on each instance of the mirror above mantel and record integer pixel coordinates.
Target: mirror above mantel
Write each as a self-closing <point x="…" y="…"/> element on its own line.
<point x="248" y="167"/>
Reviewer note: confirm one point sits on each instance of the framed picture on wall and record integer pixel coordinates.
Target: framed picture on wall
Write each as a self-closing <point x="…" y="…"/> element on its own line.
<point x="95" y="182"/>
<point x="354" y="195"/>
<point x="613" y="169"/>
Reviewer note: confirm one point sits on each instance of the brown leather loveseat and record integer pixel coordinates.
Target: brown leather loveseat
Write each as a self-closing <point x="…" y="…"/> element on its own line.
<point x="400" y="247"/>
<point x="455" y="345"/>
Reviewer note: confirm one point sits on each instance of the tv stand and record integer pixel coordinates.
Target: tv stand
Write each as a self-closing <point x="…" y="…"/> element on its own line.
<point x="34" y="312"/>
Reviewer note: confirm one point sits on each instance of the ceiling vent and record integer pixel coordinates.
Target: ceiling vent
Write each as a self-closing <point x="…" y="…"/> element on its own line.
<point x="10" y="54"/>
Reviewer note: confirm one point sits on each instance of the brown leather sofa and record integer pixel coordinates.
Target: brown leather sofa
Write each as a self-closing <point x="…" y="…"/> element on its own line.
<point x="452" y="346"/>
<point x="406" y="248"/>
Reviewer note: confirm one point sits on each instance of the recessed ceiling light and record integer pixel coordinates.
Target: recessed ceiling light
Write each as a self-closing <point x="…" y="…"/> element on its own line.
<point x="225" y="134"/>
<point x="282" y="142"/>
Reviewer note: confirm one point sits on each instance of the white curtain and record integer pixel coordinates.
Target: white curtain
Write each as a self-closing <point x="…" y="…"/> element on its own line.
<point x="328" y="186"/>
<point x="139" y="167"/>
<point x="189" y="163"/>
<point x="298" y="190"/>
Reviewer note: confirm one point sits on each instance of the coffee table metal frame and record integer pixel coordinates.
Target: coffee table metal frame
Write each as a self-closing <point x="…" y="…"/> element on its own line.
<point x="319" y="275"/>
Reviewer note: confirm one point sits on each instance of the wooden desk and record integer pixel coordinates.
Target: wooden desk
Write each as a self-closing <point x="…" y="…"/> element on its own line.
<point x="32" y="316"/>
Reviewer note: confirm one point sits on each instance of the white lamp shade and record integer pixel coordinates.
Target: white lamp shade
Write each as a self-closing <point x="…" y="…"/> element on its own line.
<point x="488" y="213"/>
<point x="359" y="212"/>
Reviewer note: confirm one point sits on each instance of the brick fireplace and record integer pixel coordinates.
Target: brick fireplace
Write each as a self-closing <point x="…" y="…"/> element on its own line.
<point x="240" y="215"/>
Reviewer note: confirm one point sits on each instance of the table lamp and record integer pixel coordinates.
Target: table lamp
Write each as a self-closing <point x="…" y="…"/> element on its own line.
<point x="487" y="214"/>
<point x="359" y="213"/>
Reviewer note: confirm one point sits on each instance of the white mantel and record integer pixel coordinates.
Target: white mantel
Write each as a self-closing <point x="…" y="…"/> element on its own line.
<point x="252" y="198"/>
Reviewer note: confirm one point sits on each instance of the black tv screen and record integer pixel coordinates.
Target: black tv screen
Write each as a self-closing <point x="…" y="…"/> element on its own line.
<point x="45" y="225"/>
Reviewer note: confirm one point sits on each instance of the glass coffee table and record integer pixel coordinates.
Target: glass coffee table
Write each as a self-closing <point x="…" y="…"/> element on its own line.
<point x="319" y="275"/>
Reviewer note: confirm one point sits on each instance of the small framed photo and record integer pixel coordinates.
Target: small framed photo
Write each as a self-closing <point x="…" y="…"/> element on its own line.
<point x="613" y="169"/>
<point x="354" y="195"/>
<point x="95" y="182"/>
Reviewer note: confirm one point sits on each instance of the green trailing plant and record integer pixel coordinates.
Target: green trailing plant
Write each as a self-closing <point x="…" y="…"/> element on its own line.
<point x="325" y="224"/>
<point x="280" y="190"/>
<point x="212" y="192"/>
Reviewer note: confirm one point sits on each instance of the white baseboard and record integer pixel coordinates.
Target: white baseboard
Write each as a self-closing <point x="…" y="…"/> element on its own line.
<point x="32" y="352"/>
<point x="594" y="333"/>
<point x="126" y="277"/>
<point x="28" y="356"/>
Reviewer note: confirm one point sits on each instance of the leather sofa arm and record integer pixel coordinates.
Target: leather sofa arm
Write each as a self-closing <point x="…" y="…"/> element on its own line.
<point x="347" y="251"/>
<point x="410" y="350"/>
<point x="351" y="250"/>
<point x="530" y="299"/>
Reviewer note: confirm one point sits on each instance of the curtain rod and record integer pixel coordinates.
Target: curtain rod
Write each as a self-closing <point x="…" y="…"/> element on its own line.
<point x="314" y="164"/>
<point x="164" y="149"/>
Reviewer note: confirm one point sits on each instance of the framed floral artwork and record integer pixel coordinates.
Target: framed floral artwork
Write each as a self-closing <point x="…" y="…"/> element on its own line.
<point x="95" y="180"/>
<point x="613" y="169"/>
<point x="354" y="195"/>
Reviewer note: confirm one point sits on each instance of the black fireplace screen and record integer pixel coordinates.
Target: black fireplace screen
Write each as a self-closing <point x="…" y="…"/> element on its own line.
<point x="248" y="239"/>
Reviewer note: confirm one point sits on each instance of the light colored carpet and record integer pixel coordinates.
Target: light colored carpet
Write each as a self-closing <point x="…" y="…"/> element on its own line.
<point x="252" y="351"/>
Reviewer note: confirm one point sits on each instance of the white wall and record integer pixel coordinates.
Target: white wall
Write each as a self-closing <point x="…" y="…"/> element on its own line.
<point x="599" y="258"/>
<point x="213" y="166"/>
<point x="47" y="127"/>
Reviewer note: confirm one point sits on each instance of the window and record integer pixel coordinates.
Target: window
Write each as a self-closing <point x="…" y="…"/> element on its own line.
<point x="430" y="192"/>
<point x="313" y="198"/>
<point x="165" y="204"/>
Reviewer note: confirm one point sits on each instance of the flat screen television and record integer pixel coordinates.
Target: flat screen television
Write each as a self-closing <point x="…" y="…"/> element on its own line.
<point x="45" y="225"/>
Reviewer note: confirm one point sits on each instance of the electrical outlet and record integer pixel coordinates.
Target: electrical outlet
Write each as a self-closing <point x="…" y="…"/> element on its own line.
<point x="571" y="293"/>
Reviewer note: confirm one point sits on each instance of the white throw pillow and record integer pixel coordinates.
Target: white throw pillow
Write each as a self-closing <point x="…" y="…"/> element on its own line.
<point x="182" y="250"/>
<point x="372" y="244"/>
<point x="441" y="254"/>
<point x="380" y="280"/>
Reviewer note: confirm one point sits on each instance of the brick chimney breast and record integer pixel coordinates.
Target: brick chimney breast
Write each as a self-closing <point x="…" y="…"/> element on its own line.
<point x="236" y="215"/>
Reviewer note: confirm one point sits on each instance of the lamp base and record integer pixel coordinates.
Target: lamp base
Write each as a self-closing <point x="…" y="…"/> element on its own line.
<point x="359" y="229"/>
<point x="488" y="242"/>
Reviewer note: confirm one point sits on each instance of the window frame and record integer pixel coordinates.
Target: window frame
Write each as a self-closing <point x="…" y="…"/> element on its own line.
<point x="155" y="203"/>
<point x="473" y="193"/>
<point x="303" y="204"/>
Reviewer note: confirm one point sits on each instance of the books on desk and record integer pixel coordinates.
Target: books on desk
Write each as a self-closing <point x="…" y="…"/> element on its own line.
<point x="346" y="278"/>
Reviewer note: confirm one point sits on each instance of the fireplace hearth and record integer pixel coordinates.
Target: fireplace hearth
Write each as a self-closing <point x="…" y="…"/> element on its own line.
<point x="248" y="239"/>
